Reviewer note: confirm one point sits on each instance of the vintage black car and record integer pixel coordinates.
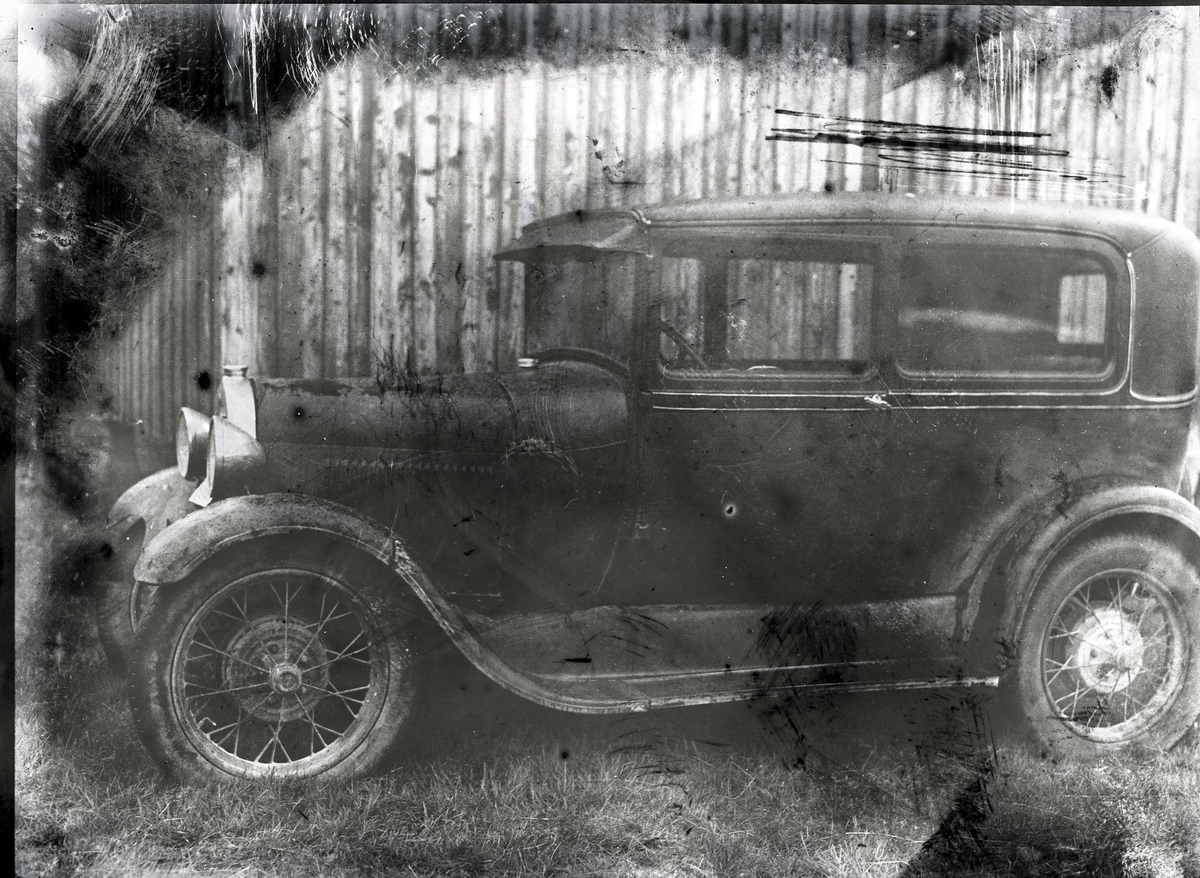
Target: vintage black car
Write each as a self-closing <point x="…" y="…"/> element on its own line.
<point x="758" y="446"/>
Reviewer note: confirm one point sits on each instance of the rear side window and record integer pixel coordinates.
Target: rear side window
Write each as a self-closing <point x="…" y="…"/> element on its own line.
<point x="766" y="315"/>
<point x="973" y="311"/>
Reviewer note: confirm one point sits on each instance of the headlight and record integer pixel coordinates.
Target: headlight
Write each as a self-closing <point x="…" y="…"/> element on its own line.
<point x="233" y="456"/>
<point x="223" y="448"/>
<point x="191" y="443"/>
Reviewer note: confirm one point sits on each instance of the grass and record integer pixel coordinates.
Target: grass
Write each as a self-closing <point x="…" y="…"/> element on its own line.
<point x="517" y="808"/>
<point x="889" y="786"/>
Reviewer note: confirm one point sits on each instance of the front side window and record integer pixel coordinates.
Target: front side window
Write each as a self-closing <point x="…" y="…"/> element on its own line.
<point x="975" y="311"/>
<point x="766" y="313"/>
<point x="578" y="303"/>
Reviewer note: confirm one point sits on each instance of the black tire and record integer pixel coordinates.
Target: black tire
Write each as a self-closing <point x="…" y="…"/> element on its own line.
<point x="278" y="660"/>
<point x="122" y="606"/>
<point x="122" y="603"/>
<point x="1108" y="655"/>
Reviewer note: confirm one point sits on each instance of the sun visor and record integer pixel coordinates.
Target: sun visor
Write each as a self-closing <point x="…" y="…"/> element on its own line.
<point x="580" y="235"/>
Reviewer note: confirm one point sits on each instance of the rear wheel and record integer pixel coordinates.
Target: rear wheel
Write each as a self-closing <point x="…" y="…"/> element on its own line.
<point x="275" y="662"/>
<point x="1108" y="656"/>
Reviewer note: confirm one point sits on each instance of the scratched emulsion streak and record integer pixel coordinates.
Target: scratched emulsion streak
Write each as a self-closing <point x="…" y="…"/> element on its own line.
<point x="989" y="152"/>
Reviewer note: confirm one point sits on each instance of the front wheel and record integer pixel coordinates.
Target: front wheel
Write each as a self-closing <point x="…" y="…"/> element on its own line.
<point x="1108" y="654"/>
<point x="282" y="661"/>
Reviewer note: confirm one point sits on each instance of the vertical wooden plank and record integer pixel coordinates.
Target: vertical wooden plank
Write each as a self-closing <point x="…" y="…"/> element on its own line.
<point x="508" y="274"/>
<point x="553" y="179"/>
<point x="1043" y="77"/>
<point x="653" y="87"/>
<point x="1130" y="186"/>
<point x="146" y="371"/>
<point x="180" y="367"/>
<point x="1148" y="171"/>
<point x="732" y="126"/>
<point x="1188" y="203"/>
<point x="674" y="130"/>
<point x="131" y="365"/>
<point x="337" y="205"/>
<point x="265" y="270"/>
<point x="472" y="262"/>
<point x="291" y="270"/>
<point x="404" y="213"/>
<point x="595" y="84"/>
<point x="1173" y="108"/>
<point x="579" y="158"/>
<point x="385" y="236"/>
<point x="187" y="307"/>
<point x="425" y="208"/>
<point x="450" y="273"/>
<point x="784" y="175"/>
<point x="120" y="360"/>
<point x="714" y="176"/>
<point x="490" y="225"/>
<point x="214" y="268"/>
<point x="1027" y="111"/>
<point x="530" y="142"/>
<point x="855" y="169"/>
<point x="692" y="127"/>
<point x="633" y="143"/>
<point x="238" y="292"/>
<point x="133" y="368"/>
<point x="313" y="201"/>
<point x="198" y="304"/>
<point x="874" y="25"/>
<point x="154" y="338"/>
<point x="364" y="193"/>
<point x="750" y="124"/>
<point x="614" y="134"/>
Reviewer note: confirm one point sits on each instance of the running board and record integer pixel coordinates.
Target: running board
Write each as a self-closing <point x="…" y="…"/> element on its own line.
<point x="666" y="666"/>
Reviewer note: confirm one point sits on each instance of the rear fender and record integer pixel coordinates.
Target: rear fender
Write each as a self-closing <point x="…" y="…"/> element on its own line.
<point x="1018" y="560"/>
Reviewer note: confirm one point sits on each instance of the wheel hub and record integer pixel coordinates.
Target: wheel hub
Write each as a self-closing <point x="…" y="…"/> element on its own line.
<point x="277" y="669"/>
<point x="1109" y="652"/>
<point x="286" y="677"/>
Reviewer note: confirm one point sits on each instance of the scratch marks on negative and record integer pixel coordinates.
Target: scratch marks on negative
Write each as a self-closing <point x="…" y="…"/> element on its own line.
<point x="1009" y="154"/>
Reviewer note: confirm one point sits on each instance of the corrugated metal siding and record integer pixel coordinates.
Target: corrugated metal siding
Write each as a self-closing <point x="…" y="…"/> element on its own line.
<point x="363" y="229"/>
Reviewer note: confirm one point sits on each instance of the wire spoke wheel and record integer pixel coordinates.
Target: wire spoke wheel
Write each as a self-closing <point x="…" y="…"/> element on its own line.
<point x="288" y="671"/>
<point x="279" y="671"/>
<point x="1113" y="656"/>
<point x="1107" y="652"/>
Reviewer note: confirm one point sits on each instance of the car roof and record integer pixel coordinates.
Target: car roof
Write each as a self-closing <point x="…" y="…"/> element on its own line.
<point x="612" y="229"/>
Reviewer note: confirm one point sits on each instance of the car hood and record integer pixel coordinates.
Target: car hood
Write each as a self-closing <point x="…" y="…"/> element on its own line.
<point x="567" y="405"/>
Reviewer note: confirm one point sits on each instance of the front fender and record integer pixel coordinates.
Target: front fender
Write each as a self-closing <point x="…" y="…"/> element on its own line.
<point x="185" y="545"/>
<point x="158" y="500"/>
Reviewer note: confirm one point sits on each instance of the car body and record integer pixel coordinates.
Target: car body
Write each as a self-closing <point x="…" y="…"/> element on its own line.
<point x="756" y="446"/>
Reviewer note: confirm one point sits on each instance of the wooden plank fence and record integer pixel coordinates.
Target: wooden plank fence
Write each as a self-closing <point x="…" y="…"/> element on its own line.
<point x="362" y="228"/>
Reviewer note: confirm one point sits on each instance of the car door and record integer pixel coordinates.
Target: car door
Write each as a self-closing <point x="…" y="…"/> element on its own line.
<point x="765" y="426"/>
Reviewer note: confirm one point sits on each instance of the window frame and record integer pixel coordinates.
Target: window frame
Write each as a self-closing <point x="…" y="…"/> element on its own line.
<point x="1108" y="379"/>
<point x="783" y="245"/>
<point x="567" y="254"/>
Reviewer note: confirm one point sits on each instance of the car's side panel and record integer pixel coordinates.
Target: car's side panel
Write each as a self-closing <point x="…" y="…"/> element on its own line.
<point x="528" y="469"/>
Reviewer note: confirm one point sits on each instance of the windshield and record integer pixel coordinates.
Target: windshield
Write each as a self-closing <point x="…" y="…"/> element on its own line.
<point x="580" y="302"/>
